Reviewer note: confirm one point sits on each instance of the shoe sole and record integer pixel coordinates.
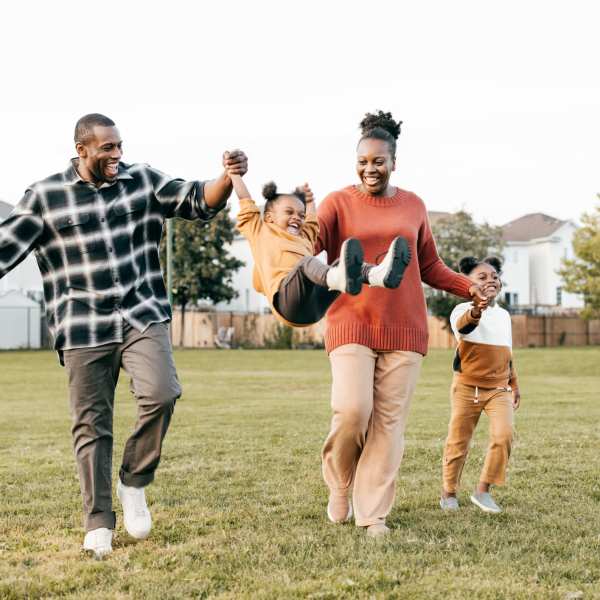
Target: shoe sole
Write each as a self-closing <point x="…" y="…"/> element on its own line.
<point x="353" y="261"/>
<point x="485" y="508"/>
<point x="97" y="554"/>
<point x="400" y="260"/>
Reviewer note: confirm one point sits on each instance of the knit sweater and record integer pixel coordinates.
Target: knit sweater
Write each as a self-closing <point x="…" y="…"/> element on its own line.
<point x="384" y="319"/>
<point x="484" y="353"/>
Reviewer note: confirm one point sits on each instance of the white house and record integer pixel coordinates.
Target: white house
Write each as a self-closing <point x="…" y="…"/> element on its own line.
<point x="248" y="300"/>
<point x="20" y="321"/>
<point x="535" y="246"/>
<point x="26" y="276"/>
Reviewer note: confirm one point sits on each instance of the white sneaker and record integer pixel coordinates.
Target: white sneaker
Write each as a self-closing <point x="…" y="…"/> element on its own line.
<point x="389" y="272"/>
<point x="136" y="516"/>
<point x="346" y="276"/>
<point x="99" y="542"/>
<point x="485" y="502"/>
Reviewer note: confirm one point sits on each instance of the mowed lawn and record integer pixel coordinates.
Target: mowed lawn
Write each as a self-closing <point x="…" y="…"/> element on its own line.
<point x="239" y="504"/>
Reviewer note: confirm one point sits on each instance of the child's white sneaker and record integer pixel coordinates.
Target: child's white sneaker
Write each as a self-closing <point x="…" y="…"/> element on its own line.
<point x="136" y="516"/>
<point x="346" y="276"/>
<point x="485" y="502"/>
<point x="449" y="503"/>
<point x="389" y="272"/>
<point x="98" y="542"/>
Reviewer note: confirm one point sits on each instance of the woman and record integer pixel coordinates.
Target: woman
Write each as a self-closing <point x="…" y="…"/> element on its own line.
<point x="376" y="340"/>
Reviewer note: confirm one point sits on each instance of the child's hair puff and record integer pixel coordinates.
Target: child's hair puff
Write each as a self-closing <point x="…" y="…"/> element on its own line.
<point x="271" y="195"/>
<point x="468" y="263"/>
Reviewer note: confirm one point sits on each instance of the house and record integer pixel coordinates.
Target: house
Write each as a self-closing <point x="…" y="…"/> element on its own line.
<point x="248" y="300"/>
<point x="26" y="276"/>
<point x="535" y="245"/>
<point x="20" y="321"/>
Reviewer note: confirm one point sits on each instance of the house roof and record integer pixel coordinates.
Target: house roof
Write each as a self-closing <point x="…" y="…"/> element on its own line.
<point x="5" y="209"/>
<point x="530" y="227"/>
<point x="436" y="215"/>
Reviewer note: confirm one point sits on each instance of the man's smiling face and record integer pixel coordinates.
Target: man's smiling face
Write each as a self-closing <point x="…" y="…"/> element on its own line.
<point x="100" y="154"/>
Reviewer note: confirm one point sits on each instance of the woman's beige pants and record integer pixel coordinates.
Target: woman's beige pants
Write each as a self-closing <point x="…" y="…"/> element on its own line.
<point x="370" y="397"/>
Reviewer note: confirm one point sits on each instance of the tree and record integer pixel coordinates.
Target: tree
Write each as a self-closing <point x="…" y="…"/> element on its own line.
<point x="581" y="275"/>
<point x="202" y="266"/>
<point x="456" y="236"/>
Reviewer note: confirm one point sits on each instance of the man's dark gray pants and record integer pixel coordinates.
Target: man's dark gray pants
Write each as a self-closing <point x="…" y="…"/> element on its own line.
<point x="93" y="374"/>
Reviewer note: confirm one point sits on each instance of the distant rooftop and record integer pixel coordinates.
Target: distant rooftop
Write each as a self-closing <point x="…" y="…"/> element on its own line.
<point x="436" y="215"/>
<point x="530" y="227"/>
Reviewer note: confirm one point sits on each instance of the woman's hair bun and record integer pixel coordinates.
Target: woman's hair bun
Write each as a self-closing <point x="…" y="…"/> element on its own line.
<point x="382" y="120"/>
<point x="495" y="262"/>
<point x="467" y="264"/>
<point x="269" y="191"/>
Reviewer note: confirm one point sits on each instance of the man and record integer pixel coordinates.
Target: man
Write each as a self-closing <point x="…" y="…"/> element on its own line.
<point x="95" y="230"/>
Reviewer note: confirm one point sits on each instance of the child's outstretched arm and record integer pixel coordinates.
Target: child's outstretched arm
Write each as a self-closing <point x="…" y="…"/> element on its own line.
<point x="310" y="229"/>
<point x="248" y="219"/>
<point x="309" y="199"/>
<point x="239" y="187"/>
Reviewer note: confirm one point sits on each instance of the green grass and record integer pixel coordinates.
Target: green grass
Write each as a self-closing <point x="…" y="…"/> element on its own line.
<point x="238" y="503"/>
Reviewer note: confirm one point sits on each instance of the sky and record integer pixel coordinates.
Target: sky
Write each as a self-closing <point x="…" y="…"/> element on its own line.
<point x="499" y="101"/>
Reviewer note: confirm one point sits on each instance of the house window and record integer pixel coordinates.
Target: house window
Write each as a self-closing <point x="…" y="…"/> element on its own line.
<point x="511" y="298"/>
<point x="559" y="296"/>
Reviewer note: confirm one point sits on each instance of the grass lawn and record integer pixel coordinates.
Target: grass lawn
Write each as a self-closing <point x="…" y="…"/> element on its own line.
<point x="239" y="504"/>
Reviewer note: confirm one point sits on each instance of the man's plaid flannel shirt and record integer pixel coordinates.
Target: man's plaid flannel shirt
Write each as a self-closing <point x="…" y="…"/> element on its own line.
<point x="98" y="248"/>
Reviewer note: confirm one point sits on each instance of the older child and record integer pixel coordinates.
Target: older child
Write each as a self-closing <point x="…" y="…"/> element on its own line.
<point x="485" y="380"/>
<point x="299" y="287"/>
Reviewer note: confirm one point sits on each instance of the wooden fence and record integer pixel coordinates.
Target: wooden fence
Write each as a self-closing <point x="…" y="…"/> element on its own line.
<point x="260" y="330"/>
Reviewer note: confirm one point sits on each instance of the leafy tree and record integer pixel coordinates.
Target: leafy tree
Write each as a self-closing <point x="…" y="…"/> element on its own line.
<point x="202" y="267"/>
<point x="581" y="275"/>
<point x="456" y="236"/>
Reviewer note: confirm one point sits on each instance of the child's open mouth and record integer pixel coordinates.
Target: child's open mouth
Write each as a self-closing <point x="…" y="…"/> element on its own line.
<point x="293" y="229"/>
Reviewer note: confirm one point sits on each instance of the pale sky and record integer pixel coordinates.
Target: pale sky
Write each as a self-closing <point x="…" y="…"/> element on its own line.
<point x="500" y="101"/>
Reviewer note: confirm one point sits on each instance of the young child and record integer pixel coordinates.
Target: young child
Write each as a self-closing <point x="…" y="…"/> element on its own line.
<point x="299" y="287"/>
<point x="484" y="380"/>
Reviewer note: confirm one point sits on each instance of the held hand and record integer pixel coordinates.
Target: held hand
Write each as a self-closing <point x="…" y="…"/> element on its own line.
<point x="308" y="194"/>
<point x="235" y="162"/>
<point x="516" y="398"/>
<point x="476" y="292"/>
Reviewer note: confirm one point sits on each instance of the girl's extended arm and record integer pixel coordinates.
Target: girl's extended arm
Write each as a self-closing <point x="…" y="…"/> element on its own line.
<point x="239" y="187"/>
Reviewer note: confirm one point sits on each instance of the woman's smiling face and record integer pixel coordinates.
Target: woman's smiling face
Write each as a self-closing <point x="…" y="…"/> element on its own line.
<point x="374" y="165"/>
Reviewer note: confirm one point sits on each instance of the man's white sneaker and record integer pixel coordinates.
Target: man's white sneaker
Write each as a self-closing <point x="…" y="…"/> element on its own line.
<point x="98" y="542"/>
<point x="346" y="276"/>
<point x="389" y="272"/>
<point x="136" y="516"/>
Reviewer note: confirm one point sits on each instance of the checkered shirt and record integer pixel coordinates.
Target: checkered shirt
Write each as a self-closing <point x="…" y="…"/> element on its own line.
<point x="98" y="248"/>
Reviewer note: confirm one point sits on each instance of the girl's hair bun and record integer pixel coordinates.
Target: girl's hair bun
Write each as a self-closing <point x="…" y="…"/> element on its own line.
<point x="467" y="264"/>
<point x="381" y="120"/>
<point x="495" y="262"/>
<point x="269" y="191"/>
